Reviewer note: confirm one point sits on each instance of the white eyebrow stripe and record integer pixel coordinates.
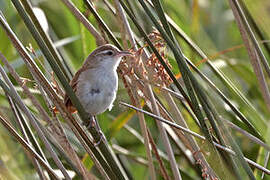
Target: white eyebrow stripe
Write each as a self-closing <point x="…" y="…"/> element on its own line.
<point x="104" y="52"/>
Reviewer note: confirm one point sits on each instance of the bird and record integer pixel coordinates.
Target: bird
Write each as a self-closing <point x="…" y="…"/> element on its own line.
<point x="96" y="82"/>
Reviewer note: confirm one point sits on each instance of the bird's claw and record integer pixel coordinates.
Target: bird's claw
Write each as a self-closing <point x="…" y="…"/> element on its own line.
<point x="101" y="135"/>
<point x="92" y="123"/>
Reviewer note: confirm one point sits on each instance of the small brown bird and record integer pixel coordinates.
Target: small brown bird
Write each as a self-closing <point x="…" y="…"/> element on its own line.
<point x="96" y="82"/>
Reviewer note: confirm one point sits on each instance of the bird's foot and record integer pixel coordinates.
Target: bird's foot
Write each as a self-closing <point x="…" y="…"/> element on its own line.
<point x="102" y="136"/>
<point x="92" y="123"/>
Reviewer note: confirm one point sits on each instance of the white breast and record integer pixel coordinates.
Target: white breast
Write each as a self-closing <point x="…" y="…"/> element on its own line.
<point x="97" y="94"/>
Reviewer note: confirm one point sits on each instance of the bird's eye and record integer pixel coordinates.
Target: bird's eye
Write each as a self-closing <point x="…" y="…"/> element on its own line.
<point x="109" y="53"/>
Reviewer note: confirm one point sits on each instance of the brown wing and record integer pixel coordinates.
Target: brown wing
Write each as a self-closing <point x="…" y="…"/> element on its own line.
<point x="73" y="83"/>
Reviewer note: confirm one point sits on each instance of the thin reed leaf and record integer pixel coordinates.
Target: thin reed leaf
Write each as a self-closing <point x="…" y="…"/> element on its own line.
<point x="74" y="99"/>
<point x="188" y="40"/>
<point x="23" y="53"/>
<point x="195" y="135"/>
<point x="185" y="72"/>
<point x="103" y="24"/>
<point x="28" y="147"/>
<point x="20" y="122"/>
<point x="206" y="104"/>
<point x="189" y="70"/>
<point x="252" y="36"/>
<point x="253" y="57"/>
<point x="16" y="98"/>
<point x="99" y="39"/>
<point x="29" y="9"/>
<point x="118" y="123"/>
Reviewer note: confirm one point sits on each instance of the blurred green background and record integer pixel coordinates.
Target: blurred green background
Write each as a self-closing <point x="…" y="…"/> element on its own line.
<point x="209" y="23"/>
